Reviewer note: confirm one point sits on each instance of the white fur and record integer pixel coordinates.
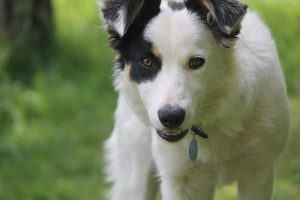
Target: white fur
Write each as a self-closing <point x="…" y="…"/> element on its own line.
<point x="238" y="97"/>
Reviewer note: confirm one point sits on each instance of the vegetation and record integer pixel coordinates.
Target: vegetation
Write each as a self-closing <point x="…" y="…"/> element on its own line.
<point x="52" y="130"/>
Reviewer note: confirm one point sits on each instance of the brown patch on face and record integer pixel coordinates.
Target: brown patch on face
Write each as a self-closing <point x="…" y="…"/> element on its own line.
<point x="154" y="50"/>
<point x="127" y="70"/>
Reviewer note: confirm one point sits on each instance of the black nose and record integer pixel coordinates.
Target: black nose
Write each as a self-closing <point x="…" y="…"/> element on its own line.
<point x="171" y="116"/>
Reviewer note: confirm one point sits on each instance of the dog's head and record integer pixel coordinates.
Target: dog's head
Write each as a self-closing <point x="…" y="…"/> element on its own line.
<point x="173" y="58"/>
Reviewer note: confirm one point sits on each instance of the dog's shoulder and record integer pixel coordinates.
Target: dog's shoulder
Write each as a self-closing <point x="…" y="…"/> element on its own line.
<point x="256" y="39"/>
<point x="256" y="51"/>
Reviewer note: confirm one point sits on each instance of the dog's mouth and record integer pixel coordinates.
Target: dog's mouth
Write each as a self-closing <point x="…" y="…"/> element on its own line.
<point x="172" y="135"/>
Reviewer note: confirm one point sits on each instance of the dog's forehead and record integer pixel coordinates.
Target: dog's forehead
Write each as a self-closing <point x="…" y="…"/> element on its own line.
<point x="175" y="31"/>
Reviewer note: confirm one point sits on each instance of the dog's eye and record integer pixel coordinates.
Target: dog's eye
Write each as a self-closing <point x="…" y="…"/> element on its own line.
<point x="196" y="62"/>
<point x="147" y="62"/>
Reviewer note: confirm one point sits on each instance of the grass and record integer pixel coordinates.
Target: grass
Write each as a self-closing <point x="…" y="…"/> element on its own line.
<point x="51" y="132"/>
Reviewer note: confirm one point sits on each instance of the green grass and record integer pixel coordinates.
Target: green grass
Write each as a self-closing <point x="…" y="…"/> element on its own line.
<point x="51" y="132"/>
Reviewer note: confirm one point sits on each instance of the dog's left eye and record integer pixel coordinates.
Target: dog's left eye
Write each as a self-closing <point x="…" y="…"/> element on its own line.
<point x="147" y="62"/>
<point x="196" y="62"/>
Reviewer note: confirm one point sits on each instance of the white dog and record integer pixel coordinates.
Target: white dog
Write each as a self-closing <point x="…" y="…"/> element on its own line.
<point x="202" y="100"/>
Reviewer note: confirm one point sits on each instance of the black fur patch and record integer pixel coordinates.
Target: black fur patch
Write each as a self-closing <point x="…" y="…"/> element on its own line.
<point x="111" y="8"/>
<point x="137" y="12"/>
<point x="133" y="53"/>
<point x="228" y="14"/>
<point x="120" y="63"/>
<point x="176" y="5"/>
<point x="113" y="37"/>
<point x="132" y="47"/>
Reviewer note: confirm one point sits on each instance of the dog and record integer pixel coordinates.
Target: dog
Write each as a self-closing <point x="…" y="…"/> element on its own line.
<point x="202" y="100"/>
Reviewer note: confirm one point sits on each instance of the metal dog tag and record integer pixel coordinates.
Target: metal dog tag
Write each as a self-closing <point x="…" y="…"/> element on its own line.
<point x="193" y="149"/>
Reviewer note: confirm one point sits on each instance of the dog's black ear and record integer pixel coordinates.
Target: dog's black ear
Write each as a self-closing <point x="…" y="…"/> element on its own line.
<point x="223" y="17"/>
<point x="121" y="15"/>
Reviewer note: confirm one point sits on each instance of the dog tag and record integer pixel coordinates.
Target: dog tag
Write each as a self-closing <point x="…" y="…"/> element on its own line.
<point x="193" y="149"/>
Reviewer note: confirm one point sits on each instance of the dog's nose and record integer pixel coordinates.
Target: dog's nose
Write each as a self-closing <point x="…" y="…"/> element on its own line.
<point x="171" y="116"/>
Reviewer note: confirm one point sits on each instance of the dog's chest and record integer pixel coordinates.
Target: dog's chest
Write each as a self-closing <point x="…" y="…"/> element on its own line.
<point x="222" y="156"/>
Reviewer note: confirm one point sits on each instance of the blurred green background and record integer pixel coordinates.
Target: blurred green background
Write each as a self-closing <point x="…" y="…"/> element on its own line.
<point x="57" y="100"/>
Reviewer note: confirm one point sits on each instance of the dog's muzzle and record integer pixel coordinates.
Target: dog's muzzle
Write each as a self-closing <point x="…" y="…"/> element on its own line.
<point x="172" y="135"/>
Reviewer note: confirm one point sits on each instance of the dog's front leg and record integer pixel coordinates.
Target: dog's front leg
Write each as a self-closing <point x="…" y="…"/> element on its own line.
<point x="187" y="188"/>
<point x="256" y="184"/>
<point x="130" y="164"/>
<point x="182" y="179"/>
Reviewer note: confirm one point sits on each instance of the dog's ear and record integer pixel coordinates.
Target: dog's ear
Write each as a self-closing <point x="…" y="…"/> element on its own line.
<point x="223" y="18"/>
<point x="121" y="15"/>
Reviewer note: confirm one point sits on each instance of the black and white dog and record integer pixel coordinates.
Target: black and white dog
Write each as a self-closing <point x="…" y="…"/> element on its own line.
<point x="202" y="100"/>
